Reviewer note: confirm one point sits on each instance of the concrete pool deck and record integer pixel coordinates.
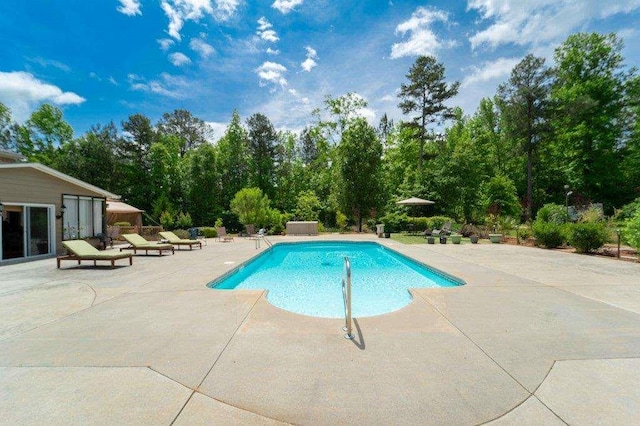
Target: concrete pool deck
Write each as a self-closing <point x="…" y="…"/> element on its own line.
<point x="535" y="337"/>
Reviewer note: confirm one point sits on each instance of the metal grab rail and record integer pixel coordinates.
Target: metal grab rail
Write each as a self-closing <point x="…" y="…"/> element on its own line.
<point x="346" y="297"/>
<point x="266" y="240"/>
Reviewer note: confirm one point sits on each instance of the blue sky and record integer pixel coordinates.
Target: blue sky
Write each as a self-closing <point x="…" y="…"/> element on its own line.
<point x="104" y="60"/>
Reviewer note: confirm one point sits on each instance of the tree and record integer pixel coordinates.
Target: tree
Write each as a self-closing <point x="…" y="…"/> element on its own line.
<point x="7" y="140"/>
<point x="42" y="134"/>
<point x="360" y="170"/>
<point x="133" y="154"/>
<point x="252" y="207"/>
<point x="308" y="206"/>
<point x="203" y="185"/>
<point x="524" y="105"/>
<point x="92" y="157"/>
<point x="425" y="95"/>
<point x="191" y="130"/>
<point x="588" y="94"/>
<point x="233" y="160"/>
<point x="262" y="141"/>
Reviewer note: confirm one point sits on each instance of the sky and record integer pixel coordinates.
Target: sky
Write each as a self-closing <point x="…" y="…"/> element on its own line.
<point x="104" y="60"/>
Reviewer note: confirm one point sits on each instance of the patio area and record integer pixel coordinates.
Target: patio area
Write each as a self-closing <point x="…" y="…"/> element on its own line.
<point x="534" y="337"/>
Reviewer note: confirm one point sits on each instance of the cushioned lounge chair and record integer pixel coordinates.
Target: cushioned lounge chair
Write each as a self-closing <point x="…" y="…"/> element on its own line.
<point x="222" y="235"/>
<point x="136" y="242"/>
<point x="177" y="241"/>
<point x="81" y="250"/>
<point x="446" y="230"/>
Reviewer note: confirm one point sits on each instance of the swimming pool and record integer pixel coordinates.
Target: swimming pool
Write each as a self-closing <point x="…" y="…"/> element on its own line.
<point x="306" y="278"/>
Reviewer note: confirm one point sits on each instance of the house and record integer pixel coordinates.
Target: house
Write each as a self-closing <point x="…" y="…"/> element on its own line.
<point x="41" y="207"/>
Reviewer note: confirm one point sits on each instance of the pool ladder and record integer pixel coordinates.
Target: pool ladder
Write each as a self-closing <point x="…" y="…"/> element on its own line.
<point x="346" y="297"/>
<point x="265" y="239"/>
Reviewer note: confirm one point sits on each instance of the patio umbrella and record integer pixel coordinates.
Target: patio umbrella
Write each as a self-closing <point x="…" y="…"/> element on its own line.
<point x="414" y="201"/>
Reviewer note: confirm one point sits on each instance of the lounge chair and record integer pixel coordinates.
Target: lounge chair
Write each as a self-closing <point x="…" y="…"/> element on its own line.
<point x="136" y="242"/>
<point x="443" y="232"/>
<point x="222" y="235"/>
<point x="177" y="241"/>
<point x="81" y="250"/>
<point x="250" y="231"/>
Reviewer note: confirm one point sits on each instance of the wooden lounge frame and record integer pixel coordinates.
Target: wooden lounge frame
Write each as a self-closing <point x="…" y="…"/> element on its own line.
<point x="177" y="241"/>
<point x="137" y="242"/>
<point x="79" y="250"/>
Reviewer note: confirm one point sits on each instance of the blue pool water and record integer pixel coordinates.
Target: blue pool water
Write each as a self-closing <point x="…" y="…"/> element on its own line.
<point x="306" y="278"/>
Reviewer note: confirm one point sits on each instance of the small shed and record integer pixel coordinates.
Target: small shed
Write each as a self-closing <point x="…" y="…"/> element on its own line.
<point x="118" y="211"/>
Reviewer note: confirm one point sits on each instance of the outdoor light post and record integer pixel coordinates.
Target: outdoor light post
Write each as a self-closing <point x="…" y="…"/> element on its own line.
<point x="618" y="232"/>
<point x="566" y="198"/>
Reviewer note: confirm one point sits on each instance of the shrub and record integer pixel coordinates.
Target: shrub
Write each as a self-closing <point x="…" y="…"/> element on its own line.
<point x="469" y="229"/>
<point x="122" y="224"/>
<point x="184" y="220"/>
<point x="181" y="233"/>
<point x="394" y="222"/>
<point x="632" y="230"/>
<point x="587" y="236"/>
<point x="628" y="211"/>
<point x="218" y="223"/>
<point x="436" y="222"/>
<point x="209" y="232"/>
<point x="419" y="223"/>
<point x="554" y="213"/>
<point x="548" y="234"/>
<point x="524" y="232"/>
<point x="341" y="220"/>
<point x="166" y="220"/>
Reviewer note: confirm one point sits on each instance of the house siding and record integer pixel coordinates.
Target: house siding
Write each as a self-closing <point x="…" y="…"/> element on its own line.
<point x="29" y="185"/>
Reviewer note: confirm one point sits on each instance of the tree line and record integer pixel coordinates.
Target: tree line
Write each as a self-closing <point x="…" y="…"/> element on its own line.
<point x="575" y="124"/>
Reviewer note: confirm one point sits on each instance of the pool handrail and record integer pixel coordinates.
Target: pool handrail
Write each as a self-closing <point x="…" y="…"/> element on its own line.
<point x="346" y="297"/>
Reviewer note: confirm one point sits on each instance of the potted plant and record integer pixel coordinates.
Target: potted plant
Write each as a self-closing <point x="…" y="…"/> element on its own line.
<point x="474" y="239"/>
<point x="431" y="239"/>
<point x="456" y="238"/>
<point x="495" y="238"/>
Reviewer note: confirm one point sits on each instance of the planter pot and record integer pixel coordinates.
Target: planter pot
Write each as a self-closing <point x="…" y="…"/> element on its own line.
<point x="443" y="240"/>
<point x="431" y="240"/>
<point x="456" y="239"/>
<point x="387" y="234"/>
<point x="474" y="239"/>
<point x="495" y="238"/>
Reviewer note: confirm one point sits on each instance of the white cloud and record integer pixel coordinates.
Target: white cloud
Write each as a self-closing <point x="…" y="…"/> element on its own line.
<point x="21" y="92"/>
<point x="422" y="39"/>
<point x="310" y="62"/>
<point x="217" y="130"/>
<point x="94" y="76"/>
<point x="50" y="63"/>
<point x="165" y="43"/>
<point x="498" y="69"/>
<point x="265" y="32"/>
<point x="271" y="51"/>
<point x="201" y="47"/>
<point x="113" y="81"/>
<point x="167" y="85"/>
<point x="272" y="72"/>
<point x="179" y="59"/>
<point x="129" y="7"/>
<point x="179" y="11"/>
<point x="539" y="21"/>
<point x="286" y="6"/>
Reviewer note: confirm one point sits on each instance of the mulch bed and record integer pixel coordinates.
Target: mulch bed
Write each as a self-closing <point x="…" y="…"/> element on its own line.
<point x="608" y="250"/>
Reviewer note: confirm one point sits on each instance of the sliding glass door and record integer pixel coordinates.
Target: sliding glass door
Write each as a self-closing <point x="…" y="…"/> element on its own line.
<point x="27" y="231"/>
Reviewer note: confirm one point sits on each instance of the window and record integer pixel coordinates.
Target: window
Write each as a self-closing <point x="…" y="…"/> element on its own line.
<point x="83" y="216"/>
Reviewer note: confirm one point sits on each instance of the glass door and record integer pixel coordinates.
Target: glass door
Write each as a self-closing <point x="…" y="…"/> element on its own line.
<point x="12" y="232"/>
<point x="38" y="241"/>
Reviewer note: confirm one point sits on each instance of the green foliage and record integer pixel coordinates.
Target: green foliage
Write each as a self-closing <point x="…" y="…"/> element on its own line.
<point x="307" y="206"/>
<point x="167" y="220"/>
<point x="218" y="223"/>
<point x="591" y="215"/>
<point x="183" y="220"/>
<point x="587" y="236"/>
<point x="500" y="197"/>
<point x="553" y="213"/>
<point x="208" y="232"/>
<point x="628" y="210"/>
<point x="252" y="207"/>
<point x="122" y="224"/>
<point x="394" y="222"/>
<point x="549" y="234"/>
<point x="632" y="230"/>
<point x="341" y="220"/>
<point x="525" y="232"/>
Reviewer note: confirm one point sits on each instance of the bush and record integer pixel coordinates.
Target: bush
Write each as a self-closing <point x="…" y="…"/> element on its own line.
<point x="122" y="224"/>
<point x="524" y="232"/>
<point x="218" y="223"/>
<point x="209" y="232"/>
<point x="469" y="229"/>
<point x="632" y="230"/>
<point x="166" y="220"/>
<point x="419" y="223"/>
<point x="436" y="222"/>
<point x="628" y="211"/>
<point x="548" y="234"/>
<point x="587" y="236"/>
<point x="184" y="220"/>
<point x="553" y="213"/>
<point x="394" y="222"/>
<point x="341" y="220"/>
<point x="181" y="233"/>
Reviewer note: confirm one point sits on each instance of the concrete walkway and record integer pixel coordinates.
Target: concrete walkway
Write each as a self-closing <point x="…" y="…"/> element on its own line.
<point x="535" y="337"/>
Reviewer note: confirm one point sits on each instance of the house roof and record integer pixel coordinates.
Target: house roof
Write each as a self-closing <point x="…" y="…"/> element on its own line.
<point x="59" y="175"/>
<point x="10" y="155"/>
<point x="114" y="206"/>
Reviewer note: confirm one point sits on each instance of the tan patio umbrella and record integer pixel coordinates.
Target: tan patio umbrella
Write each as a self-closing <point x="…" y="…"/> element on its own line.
<point x="414" y="201"/>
